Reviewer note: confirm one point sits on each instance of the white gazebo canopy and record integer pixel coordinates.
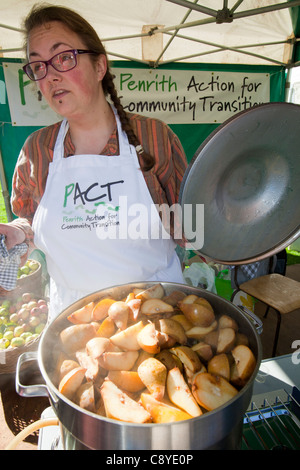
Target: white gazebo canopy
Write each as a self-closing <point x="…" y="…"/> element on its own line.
<point x="162" y="31"/>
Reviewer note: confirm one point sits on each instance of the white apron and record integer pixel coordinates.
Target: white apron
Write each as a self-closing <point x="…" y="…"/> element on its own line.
<point x="94" y="223"/>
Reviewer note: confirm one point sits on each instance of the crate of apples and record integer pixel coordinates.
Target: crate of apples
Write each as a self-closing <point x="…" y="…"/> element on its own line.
<point x="22" y="320"/>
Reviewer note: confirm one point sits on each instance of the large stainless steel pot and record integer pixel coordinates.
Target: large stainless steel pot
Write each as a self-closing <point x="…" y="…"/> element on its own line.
<point x="218" y="429"/>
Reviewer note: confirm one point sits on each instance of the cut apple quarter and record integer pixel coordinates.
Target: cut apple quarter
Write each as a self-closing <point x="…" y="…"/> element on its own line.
<point x="127" y="338"/>
<point x="83" y="314"/>
<point x="155" y="306"/>
<point x="75" y="337"/>
<point x="212" y="391"/>
<point x="123" y="360"/>
<point x="100" y="310"/>
<point x="118" y="405"/>
<point x="180" y="394"/>
<point x="162" y="412"/>
<point x="244" y="364"/>
<point x="148" y="340"/>
<point x="70" y="383"/>
<point x="119" y="312"/>
<point x="127" y="380"/>
<point x="153" y="374"/>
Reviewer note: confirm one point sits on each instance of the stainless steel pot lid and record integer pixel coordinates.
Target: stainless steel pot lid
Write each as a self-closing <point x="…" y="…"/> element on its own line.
<point x="247" y="176"/>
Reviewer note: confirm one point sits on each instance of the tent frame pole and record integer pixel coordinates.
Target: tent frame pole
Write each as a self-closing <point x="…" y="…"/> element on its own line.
<point x="5" y="191"/>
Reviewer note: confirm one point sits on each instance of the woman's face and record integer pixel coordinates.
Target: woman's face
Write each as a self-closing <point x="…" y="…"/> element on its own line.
<point x="76" y="92"/>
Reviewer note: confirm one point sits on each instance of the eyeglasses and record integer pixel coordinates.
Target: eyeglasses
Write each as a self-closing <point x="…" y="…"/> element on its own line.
<point x="62" y="62"/>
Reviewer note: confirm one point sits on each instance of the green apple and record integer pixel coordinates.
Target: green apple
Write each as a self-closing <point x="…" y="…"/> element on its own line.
<point x="17" y="342"/>
<point x="31" y="338"/>
<point x="26" y="297"/>
<point x="33" y="265"/>
<point x="18" y="331"/>
<point x="34" y="321"/>
<point x="8" y="335"/>
<point x="24" y="269"/>
<point x="31" y="304"/>
<point x="26" y="334"/>
<point x="14" y="318"/>
<point x="4" y="311"/>
<point x="39" y="328"/>
<point x="4" y="343"/>
<point x="23" y="313"/>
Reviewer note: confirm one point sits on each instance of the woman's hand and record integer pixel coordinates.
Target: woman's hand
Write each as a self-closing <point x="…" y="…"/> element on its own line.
<point x="14" y="235"/>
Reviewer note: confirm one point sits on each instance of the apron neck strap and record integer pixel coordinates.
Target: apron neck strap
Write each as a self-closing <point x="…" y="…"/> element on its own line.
<point x="59" y="144"/>
<point x="124" y="146"/>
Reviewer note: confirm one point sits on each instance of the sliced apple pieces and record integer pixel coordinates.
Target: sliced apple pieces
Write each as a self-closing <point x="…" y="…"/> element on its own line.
<point x="118" y="405"/>
<point x="199" y="332"/>
<point x="66" y="366"/>
<point x="188" y="357"/>
<point x="83" y="314"/>
<point x="204" y="351"/>
<point x="173" y="346"/>
<point x="198" y="314"/>
<point x="226" y="340"/>
<point x="184" y="322"/>
<point x="204" y="302"/>
<point x="244" y="364"/>
<point x="241" y="338"/>
<point x="212" y="391"/>
<point x="142" y="356"/>
<point x="119" y="312"/>
<point x="85" y="396"/>
<point x="190" y="299"/>
<point x="71" y="382"/>
<point x="169" y="360"/>
<point x="107" y="328"/>
<point x="127" y="380"/>
<point x="155" y="306"/>
<point x="123" y="360"/>
<point x="148" y="340"/>
<point x="162" y="412"/>
<point x="100" y="310"/>
<point x="95" y="347"/>
<point x="127" y="339"/>
<point x="180" y="394"/>
<point x="211" y="338"/>
<point x="174" y="297"/>
<point x="90" y="364"/>
<point x="219" y="365"/>
<point x="154" y="292"/>
<point x="75" y="337"/>
<point x="134" y="308"/>
<point x="225" y="321"/>
<point x="172" y="328"/>
<point x="153" y="374"/>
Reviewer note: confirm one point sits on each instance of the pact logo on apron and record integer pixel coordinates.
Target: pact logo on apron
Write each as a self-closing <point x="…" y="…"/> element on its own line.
<point x="95" y="224"/>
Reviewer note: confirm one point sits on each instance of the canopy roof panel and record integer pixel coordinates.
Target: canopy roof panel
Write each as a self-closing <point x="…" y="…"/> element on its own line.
<point x="207" y="31"/>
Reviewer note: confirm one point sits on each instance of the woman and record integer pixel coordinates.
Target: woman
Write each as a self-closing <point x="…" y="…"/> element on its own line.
<point x="84" y="188"/>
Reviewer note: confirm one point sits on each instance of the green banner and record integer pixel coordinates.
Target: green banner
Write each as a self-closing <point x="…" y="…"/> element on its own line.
<point x="191" y="136"/>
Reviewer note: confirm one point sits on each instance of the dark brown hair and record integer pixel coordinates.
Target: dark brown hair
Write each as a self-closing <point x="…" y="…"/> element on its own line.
<point x="42" y="14"/>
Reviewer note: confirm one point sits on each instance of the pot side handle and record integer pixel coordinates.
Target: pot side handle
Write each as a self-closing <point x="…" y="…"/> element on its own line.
<point x="258" y="324"/>
<point x="38" y="390"/>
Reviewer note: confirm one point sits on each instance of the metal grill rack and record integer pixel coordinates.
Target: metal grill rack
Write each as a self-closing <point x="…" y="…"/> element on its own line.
<point x="274" y="424"/>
